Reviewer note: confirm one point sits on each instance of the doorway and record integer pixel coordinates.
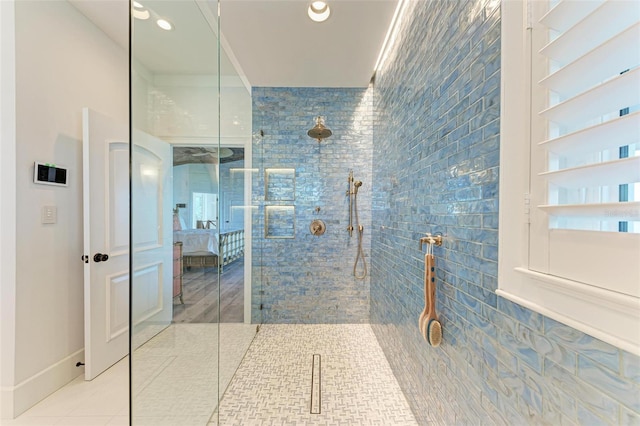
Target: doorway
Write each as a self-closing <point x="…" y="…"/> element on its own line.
<point x="209" y="229"/>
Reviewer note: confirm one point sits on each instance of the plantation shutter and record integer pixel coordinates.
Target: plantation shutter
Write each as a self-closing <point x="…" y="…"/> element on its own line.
<point x="589" y="211"/>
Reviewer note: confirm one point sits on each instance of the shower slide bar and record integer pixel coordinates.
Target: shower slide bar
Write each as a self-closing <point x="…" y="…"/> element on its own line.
<point x="349" y="194"/>
<point x="352" y="193"/>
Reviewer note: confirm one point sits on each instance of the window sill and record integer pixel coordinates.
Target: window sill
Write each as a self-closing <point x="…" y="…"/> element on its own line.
<point x="609" y="316"/>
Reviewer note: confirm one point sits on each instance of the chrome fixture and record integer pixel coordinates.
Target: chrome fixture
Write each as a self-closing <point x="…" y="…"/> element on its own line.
<point x="319" y="131"/>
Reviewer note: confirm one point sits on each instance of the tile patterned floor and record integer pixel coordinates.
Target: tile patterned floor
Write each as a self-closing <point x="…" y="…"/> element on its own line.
<point x="273" y="384"/>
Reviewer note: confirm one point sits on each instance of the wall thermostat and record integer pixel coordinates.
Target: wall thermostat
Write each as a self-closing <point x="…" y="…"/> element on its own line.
<point x="49" y="174"/>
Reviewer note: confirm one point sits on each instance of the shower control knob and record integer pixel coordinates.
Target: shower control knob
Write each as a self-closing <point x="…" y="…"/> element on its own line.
<point x="317" y="227"/>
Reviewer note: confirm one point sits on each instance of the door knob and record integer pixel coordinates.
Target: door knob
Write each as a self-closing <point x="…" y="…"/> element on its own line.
<point x="99" y="257"/>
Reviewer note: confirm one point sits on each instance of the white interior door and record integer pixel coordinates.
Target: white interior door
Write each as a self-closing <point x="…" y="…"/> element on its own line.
<point x="152" y="227"/>
<point x="106" y="239"/>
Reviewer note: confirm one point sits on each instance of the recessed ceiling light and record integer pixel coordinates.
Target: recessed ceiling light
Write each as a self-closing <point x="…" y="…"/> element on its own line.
<point x="139" y="12"/>
<point x="164" y="24"/>
<point x="318" y="11"/>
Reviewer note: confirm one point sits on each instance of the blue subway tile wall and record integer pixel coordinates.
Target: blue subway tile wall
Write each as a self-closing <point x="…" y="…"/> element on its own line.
<point x="436" y="169"/>
<point x="307" y="278"/>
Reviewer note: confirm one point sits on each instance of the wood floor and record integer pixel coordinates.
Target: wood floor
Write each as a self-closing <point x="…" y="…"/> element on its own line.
<point x="200" y="295"/>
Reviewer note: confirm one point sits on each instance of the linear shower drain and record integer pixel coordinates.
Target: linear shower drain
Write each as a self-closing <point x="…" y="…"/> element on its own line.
<point x="316" y="395"/>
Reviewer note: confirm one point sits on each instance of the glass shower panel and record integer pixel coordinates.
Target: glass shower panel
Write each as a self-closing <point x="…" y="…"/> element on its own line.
<point x="236" y="283"/>
<point x="175" y="188"/>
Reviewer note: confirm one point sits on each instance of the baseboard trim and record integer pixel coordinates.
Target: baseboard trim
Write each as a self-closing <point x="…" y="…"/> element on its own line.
<point x="18" y="399"/>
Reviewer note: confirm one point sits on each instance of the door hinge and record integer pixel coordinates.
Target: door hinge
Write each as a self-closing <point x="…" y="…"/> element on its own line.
<point x="527" y="208"/>
<point x="261" y="306"/>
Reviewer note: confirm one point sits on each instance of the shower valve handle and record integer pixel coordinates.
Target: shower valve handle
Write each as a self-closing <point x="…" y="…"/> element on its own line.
<point x="317" y="227"/>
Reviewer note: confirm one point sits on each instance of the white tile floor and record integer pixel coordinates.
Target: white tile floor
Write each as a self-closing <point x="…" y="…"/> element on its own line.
<point x="175" y="372"/>
<point x="271" y="386"/>
<point x="102" y="401"/>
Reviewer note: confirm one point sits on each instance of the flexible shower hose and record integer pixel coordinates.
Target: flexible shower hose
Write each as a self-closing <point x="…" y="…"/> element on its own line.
<point x="360" y="252"/>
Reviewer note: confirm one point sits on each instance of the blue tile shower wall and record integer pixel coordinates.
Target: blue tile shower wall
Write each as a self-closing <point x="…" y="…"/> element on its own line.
<point x="309" y="279"/>
<point x="436" y="165"/>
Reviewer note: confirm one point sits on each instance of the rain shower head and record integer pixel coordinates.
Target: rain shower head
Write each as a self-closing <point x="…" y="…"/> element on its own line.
<point x="319" y="131"/>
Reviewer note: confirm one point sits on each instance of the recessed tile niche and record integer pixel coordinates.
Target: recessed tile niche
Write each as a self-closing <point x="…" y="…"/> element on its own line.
<point x="280" y="222"/>
<point x="280" y="184"/>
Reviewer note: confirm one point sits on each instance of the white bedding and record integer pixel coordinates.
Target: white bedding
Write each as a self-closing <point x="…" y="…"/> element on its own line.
<point x="197" y="240"/>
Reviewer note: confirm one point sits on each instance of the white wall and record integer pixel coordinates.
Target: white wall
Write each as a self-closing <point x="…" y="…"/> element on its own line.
<point x="63" y="63"/>
<point x="7" y="205"/>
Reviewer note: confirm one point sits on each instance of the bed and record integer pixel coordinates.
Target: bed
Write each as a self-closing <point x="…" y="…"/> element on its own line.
<point x="199" y="247"/>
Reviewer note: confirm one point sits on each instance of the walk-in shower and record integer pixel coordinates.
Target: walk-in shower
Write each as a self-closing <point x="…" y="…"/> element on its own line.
<point x="352" y="193"/>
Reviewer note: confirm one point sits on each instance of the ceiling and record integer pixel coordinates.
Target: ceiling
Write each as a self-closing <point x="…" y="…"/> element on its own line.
<point x="277" y="45"/>
<point x="273" y="41"/>
<point x="181" y="51"/>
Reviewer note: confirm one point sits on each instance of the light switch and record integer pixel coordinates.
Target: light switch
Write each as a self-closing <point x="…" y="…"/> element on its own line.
<point x="49" y="214"/>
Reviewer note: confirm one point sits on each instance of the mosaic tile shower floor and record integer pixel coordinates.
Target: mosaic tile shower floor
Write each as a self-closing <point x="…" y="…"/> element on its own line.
<point x="272" y="386"/>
